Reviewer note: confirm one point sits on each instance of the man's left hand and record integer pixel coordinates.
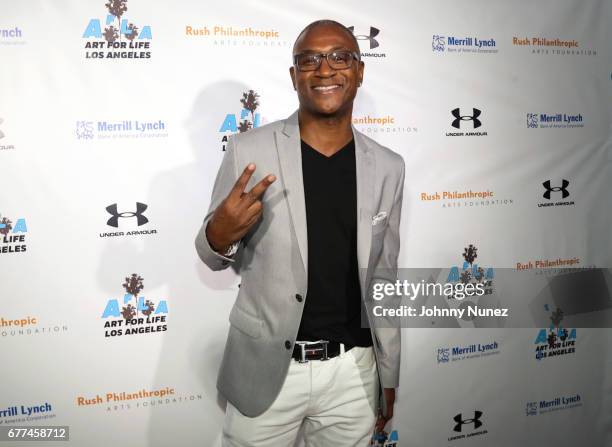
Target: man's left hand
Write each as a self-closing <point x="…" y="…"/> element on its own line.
<point x="390" y="400"/>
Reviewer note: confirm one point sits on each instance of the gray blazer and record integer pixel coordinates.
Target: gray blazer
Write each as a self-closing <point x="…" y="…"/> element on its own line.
<point x="273" y="258"/>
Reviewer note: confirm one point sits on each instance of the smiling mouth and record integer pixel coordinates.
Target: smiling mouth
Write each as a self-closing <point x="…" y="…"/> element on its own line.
<point x="327" y="88"/>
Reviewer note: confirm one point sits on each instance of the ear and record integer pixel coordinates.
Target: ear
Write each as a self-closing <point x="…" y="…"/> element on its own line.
<point x="292" y="74"/>
<point x="360" y="72"/>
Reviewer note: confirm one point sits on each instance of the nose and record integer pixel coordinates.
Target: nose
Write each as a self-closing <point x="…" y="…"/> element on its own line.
<point x="325" y="69"/>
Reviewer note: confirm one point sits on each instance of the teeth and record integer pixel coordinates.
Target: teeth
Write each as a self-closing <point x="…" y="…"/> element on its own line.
<point x="327" y="87"/>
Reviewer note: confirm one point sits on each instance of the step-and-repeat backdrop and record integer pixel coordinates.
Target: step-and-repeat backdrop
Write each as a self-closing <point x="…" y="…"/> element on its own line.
<point x="114" y="115"/>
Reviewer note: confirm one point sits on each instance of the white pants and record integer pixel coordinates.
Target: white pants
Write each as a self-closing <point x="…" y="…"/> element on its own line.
<point x="335" y="399"/>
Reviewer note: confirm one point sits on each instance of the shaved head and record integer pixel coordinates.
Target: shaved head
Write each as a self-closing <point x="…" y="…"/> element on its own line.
<point x="324" y="23"/>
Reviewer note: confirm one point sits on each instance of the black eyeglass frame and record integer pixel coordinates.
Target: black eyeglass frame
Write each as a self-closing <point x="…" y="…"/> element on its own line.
<point x="355" y="56"/>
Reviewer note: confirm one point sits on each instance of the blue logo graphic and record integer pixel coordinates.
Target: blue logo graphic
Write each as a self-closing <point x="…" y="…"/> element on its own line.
<point x="437" y="44"/>
<point x="532" y="409"/>
<point x="443" y="355"/>
<point x="382" y="439"/>
<point x="532" y="121"/>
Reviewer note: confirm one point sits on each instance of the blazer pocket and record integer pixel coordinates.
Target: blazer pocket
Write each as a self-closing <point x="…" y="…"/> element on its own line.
<point x="379" y="227"/>
<point x="245" y="322"/>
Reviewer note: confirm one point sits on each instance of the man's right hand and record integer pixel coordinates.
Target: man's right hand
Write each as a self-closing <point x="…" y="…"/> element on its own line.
<point x="238" y="212"/>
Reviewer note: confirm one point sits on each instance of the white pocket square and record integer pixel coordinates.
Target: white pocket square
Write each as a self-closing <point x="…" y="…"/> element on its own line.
<point x="379" y="218"/>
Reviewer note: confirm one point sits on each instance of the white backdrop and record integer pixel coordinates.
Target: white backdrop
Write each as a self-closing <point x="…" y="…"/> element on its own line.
<point x="80" y="133"/>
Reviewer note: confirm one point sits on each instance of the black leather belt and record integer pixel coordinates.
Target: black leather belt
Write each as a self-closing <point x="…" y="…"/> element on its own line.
<point x="303" y="351"/>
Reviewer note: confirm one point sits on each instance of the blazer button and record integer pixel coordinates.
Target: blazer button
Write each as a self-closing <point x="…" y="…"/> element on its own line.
<point x="298" y="297"/>
<point x="287" y="344"/>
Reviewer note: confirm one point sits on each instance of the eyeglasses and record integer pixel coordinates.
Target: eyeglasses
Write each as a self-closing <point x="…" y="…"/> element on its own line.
<point x="337" y="60"/>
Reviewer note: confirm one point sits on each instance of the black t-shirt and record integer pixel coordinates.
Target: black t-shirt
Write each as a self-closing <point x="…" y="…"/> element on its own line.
<point x="333" y="304"/>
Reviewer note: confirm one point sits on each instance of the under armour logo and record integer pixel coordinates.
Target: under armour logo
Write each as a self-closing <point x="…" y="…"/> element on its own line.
<point x="562" y="188"/>
<point x="114" y="221"/>
<point x="373" y="33"/>
<point x="460" y="422"/>
<point x="458" y="118"/>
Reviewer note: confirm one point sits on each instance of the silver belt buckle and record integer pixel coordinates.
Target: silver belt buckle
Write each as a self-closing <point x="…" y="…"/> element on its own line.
<point x="303" y="349"/>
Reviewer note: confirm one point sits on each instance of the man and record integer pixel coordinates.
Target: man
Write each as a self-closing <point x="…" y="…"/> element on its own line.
<point x="307" y="251"/>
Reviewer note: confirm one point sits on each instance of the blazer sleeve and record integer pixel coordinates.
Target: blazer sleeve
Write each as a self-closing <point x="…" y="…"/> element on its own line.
<point x="226" y="178"/>
<point x="389" y="337"/>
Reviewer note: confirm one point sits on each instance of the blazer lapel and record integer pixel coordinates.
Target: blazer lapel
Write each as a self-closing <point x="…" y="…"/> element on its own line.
<point x="290" y="156"/>
<point x="366" y="172"/>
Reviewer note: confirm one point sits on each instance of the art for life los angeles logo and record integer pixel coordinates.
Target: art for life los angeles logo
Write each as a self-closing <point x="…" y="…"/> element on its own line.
<point x="471" y="273"/>
<point x="247" y="118"/>
<point x="471" y="276"/>
<point x="556" y="340"/>
<point x="450" y="44"/>
<point x="134" y="314"/>
<point x="13" y="234"/>
<point x="116" y="36"/>
<point x="384" y="439"/>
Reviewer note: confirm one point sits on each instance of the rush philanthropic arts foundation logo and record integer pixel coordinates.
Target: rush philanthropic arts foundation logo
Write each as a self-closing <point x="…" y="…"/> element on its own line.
<point x="469" y="120"/>
<point x="134" y="314"/>
<point x="230" y="36"/>
<point x="547" y="46"/>
<point x="380" y="123"/>
<point x="554" y="120"/>
<point x="552" y="267"/>
<point x="464" y="44"/>
<point x="370" y="41"/>
<point x="139" y="399"/>
<point x="557" y="340"/>
<point x="128" y="219"/>
<point x="13" y="234"/>
<point x="18" y="413"/>
<point x="465" y="198"/>
<point x="247" y="118"/>
<point x="28" y="325"/>
<point x="105" y="130"/>
<point x="116" y="36"/>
